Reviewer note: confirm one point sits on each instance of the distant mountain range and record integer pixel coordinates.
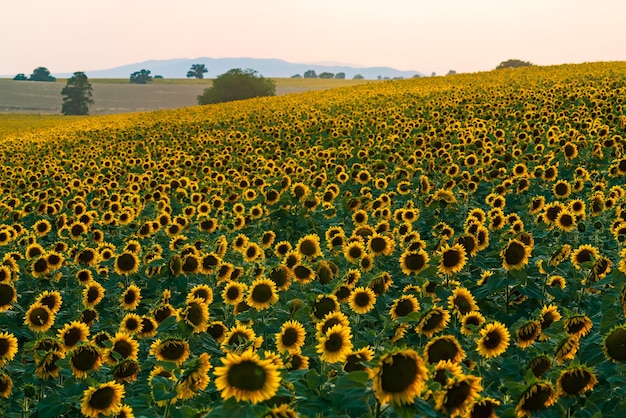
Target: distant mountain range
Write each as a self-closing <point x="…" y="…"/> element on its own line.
<point x="177" y="68"/>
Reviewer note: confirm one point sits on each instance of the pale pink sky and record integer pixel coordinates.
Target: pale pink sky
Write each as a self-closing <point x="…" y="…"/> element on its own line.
<point x="425" y="36"/>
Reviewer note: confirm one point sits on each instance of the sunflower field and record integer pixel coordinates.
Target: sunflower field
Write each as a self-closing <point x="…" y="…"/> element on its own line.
<point x="436" y="247"/>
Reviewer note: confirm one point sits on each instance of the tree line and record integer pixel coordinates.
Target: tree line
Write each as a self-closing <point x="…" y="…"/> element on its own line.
<point x="235" y="84"/>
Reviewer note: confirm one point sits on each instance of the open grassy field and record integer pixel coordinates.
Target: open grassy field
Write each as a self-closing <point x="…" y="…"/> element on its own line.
<point x="119" y="96"/>
<point x="436" y="247"/>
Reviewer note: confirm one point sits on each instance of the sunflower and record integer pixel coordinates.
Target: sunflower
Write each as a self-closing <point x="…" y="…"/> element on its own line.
<point x="303" y="274"/>
<point x="461" y="302"/>
<point x="330" y="320"/>
<point x="515" y="255"/>
<point x="399" y="377"/>
<point x="483" y="408"/>
<point x="131" y="324"/>
<point x="233" y="293"/>
<point x="71" y="334"/>
<point x="458" y="394"/>
<point x="528" y="333"/>
<point x="471" y="321"/>
<point x="84" y="359"/>
<point x="262" y="294"/>
<point x="354" y="250"/>
<point x="5" y="274"/>
<point x="403" y="306"/>
<point x="291" y="337"/>
<point x="8" y="347"/>
<point x="445" y="370"/>
<point x="126" y="263"/>
<point x="443" y="348"/>
<point x="412" y="262"/>
<point x="453" y="258"/>
<point x="240" y="335"/>
<point x="575" y="380"/>
<point x="195" y="377"/>
<point x="540" y="365"/>
<point x="335" y="344"/>
<point x="106" y="399"/>
<point x="578" y="325"/>
<point x="130" y="298"/>
<point x="87" y="256"/>
<point x="196" y="314"/>
<point x="493" y="340"/>
<point x="537" y="396"/>
<point x="47" y="366"/>
<point x="556" y="281"/>
<point x="123" y="346"/>
<point x="39" y="318"/>
<point x="354" y="360"/>
<point x="378" y="244"/>
<point x="433" y="321"/>
<point x="173" y="350"/>
<point x="583" y="254"/>
<point x="549" y="315"/>
<point x="614" y="343"/>
<point x="567" y="349"/>
<point x="297" y="361"/>
<point x="309" y="246"/>
<point x="281" y="276"/>
<point x="8" y="295"/>
<point x="362" y="300"/>
<point x="6" y="385"/>
<point x="126" y="371"/>
<point x="93" y="293"/>
<point x="323" y="305"/>
<point x="247" y="377"/>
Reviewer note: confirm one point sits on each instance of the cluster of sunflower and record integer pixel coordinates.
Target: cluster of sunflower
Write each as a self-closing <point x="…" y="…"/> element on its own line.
<point x="437" y="247"/>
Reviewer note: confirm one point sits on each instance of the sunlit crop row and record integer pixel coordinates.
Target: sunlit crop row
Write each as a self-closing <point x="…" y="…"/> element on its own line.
<point x="449" y="246"/>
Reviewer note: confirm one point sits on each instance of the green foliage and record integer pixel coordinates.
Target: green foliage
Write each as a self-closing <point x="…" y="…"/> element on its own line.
<point x="140" y="77"/>
<point x="340" y="76"/>
<point x="513" y="63"/>
<point x="41" y="74"/>
<point x="237" y="84"/>
<point x="20" y="77"/>
<point x="326" y="74"/>
<point x="197" y="71"/>
<point x="358" y="77"/>
<point x="310" y="74"/>
<point x="77" y="95"/>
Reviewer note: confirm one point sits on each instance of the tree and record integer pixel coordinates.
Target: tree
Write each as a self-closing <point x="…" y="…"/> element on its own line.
<point x="77" y="95"/>
<point x="197" y="71"/>
<point x="20" y="77"/>
<point x="296" y="76"/>
<point x="358" y="77"/>
<point x="310" y="74"/>
<point x="237" y="84"/>
<point x="340" y="76"/>
<point x="41" y="74"/>
<point x="140" y="77"/>
<point x="326" y="75"/>
<point x="513" y="63"/>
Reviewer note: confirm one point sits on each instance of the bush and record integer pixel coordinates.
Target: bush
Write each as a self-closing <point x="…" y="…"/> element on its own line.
<point x="237" y="84"/>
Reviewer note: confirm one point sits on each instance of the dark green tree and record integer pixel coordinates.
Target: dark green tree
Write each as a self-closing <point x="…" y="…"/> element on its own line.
<point x="513" y="63"/>
<point x="77" y="95"/>
<point x="20" y="77"/>
<point x="326" y="74"/>
<point x="197" y="71"/>
<point x="140" y="77"/>
<point x="237" y="84"/>
<point x="310" y="74"/>
<point x="41" y="74"/>
<point x="357" y="77"/>
<point x="340" y="76"/>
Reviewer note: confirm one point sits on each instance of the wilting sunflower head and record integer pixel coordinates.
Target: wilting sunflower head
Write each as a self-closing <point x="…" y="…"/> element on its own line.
<point x="174" y="350"/>
<point x="537" y="396"/>
<point x="458" y="394"/>
<point x="614" y="344"/>
<point x="575" y="380"/>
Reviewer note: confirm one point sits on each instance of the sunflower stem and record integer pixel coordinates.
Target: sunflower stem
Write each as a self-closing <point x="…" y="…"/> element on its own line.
<point x="377" y="413"/>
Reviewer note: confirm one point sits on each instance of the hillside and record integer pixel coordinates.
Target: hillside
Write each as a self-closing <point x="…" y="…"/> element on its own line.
<point x="443" y="246"/>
